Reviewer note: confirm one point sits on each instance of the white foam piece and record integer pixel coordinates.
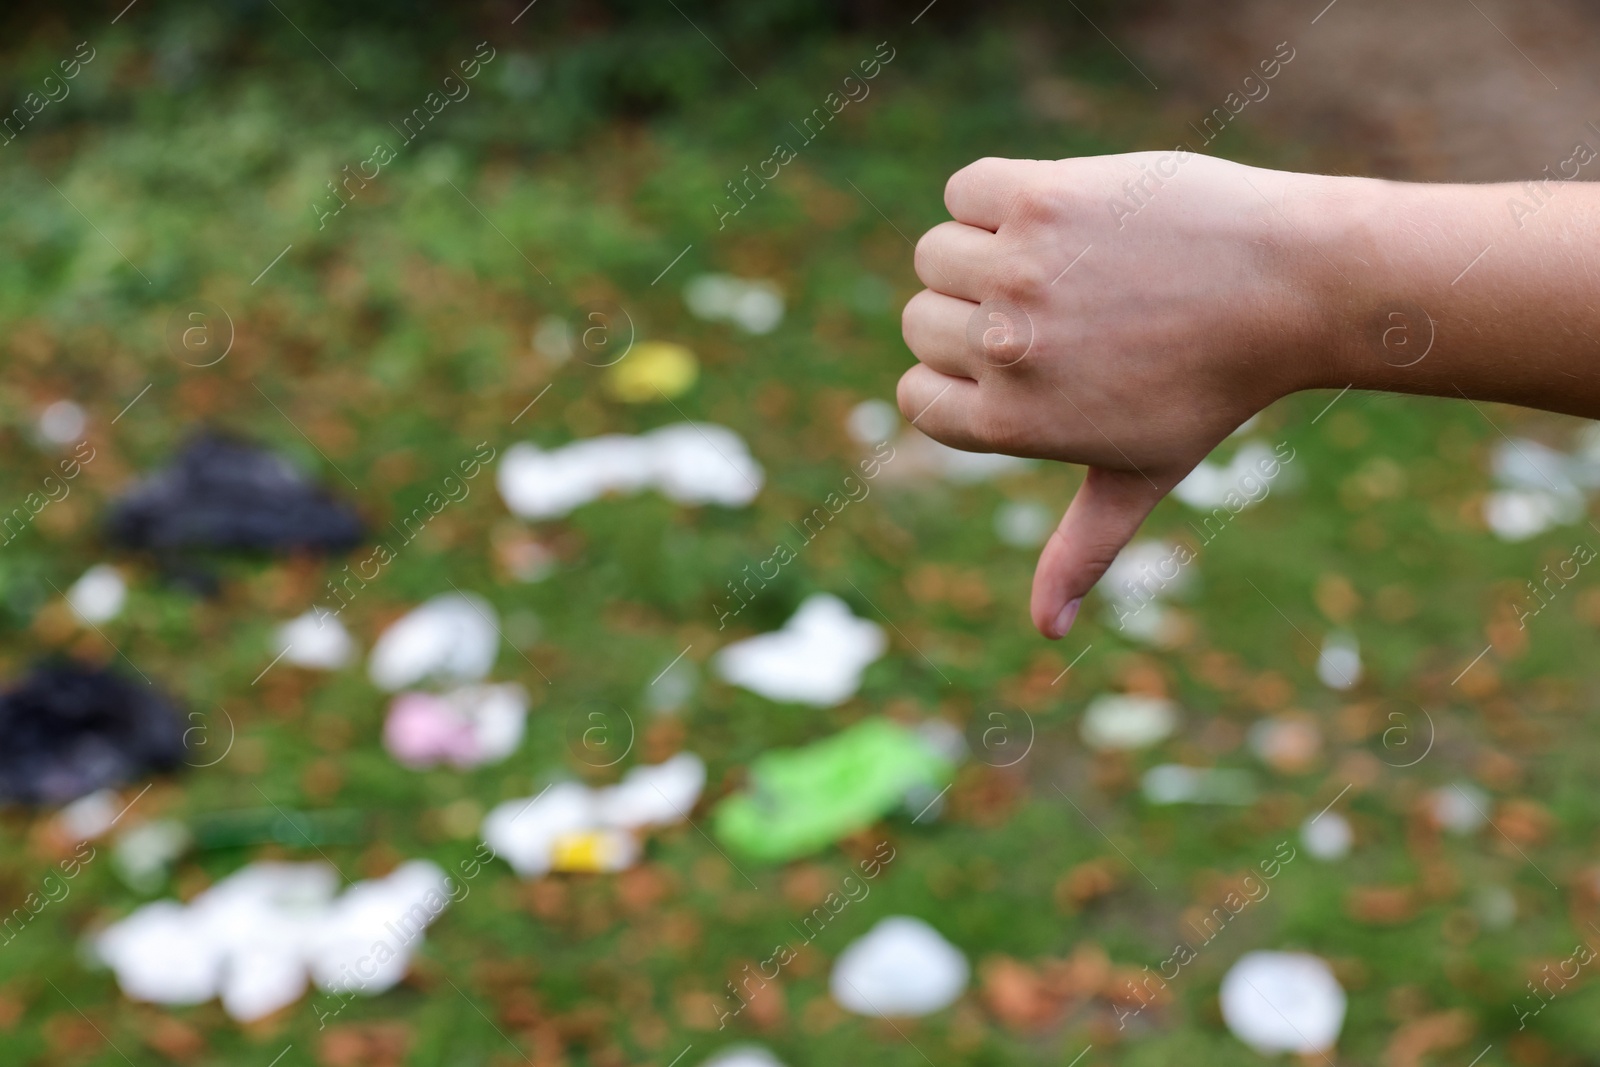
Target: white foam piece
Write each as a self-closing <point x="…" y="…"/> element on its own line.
<point x="1339" y="662"/>
<point x="365" y="943"/>
<point x="658" y="795"/>
<point x="453" y="637"/>
<point x="873" y="422"/>
<point x="1327" y="836"/>
<point x="690" y="463"/>
<point x="316" y="641"/>
<point x="523" y="831"/>
<point x="817" y="658"/>
<point x="161" y="956"/>
<point x="902" y="966"/>
<point x="1283" y="1002"/>
<point x="98" y="595"/>
<point x="1210" y="484"/>
<point x="1118" y="721"/>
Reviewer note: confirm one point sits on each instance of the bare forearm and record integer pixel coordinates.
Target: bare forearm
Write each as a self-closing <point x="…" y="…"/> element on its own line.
<point x="1491" y="292"/>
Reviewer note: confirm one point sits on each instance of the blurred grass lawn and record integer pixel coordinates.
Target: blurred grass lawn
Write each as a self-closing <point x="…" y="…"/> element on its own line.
<point x="399" y="337"/>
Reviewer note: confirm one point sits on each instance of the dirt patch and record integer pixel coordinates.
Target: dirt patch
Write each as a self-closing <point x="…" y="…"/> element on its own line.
<point x="1440" y="90"/>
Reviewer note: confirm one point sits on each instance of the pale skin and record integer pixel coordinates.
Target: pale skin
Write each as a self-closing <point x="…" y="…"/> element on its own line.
<point x="1128" y="312"/>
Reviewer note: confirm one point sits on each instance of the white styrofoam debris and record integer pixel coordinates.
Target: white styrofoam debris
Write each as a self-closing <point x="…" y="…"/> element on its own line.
<point x="98" y="595"/>
<point x="453" y="637"/>
<point x="902" y="966"/>
<point x="316" y="641"/>
<point x="690" y="463"/>
<point x="1127" y="721"/>
<point x="1283" y="1002"/>
<point x="653" y="795"/>
<point x="817" y="658"/>
<point x="524" y="831"/>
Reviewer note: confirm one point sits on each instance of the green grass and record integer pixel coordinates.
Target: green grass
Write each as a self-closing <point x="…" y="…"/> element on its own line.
<point x="399" y="337"/>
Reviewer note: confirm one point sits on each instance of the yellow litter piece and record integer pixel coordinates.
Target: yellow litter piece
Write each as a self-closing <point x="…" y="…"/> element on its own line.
<point x="653" y="369"/>
<point x="594" y="851"/>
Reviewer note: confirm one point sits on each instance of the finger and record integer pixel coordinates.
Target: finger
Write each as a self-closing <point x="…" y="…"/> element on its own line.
<point x="958" y="260"/>
<point x="940" y="406"/>
<point x="979" y="192"/>
<point x="1103" y="517"/>
<point x="935" y="329"/>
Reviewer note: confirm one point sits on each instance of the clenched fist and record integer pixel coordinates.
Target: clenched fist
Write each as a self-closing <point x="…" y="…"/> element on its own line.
<point x="1122" y="312"/>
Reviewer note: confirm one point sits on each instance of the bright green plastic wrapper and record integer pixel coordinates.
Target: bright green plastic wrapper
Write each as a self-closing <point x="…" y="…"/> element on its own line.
<point x="801" y="800"/>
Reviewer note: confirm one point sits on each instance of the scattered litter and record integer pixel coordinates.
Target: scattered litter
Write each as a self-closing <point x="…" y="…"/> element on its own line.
<point x="818" y="657"/>
<point x="872" y="422"/>
<point x="68" y="729"/>
<point x="754" y="306"/>
<point x="1328" y="836"/>
<point x="254" y="938"/>
<point x="1173" y="783"/>
<point x="743" y="1056"/>
<point x="1459" y="808"/>
<point x="1127" y="721"/>
<point x="1288" y="744"/>
<point x="89" y="816"/>
<point x="691" y="463"/>
<point x="570" y="827"/>
<point x="143" y="856"/>
<point x="1024" y="523"/>
<point x="651" y="371"/>
<point x="63" y="423"/>
<point x="801" y="800"/>
<point x="1283" y="1002"/>
<point x="1339" y="663"/>
<point x="466" y="727"/>
<point x="1540" y="487"/>
<point x="98" y="595"/>
<point x="317" y="642"/>
<point x="221" y="493"/>
<point x="902" y="966"/>
<point x="453" y="637"/>
<point x="1214" y="485"/>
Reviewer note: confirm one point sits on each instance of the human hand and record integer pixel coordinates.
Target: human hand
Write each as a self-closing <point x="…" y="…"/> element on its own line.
<point x="1124" y="312"/>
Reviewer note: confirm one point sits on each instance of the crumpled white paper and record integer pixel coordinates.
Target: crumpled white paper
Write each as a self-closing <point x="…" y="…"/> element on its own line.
<point x="817" y="658"/>
<point x="258" y="937"/>
<point x="691" y="463"/>
<point x="1283" y="1002"/>
<point x="453" y="637"/>
<point x="528" y="831"/>
<point x="902" y="966"/>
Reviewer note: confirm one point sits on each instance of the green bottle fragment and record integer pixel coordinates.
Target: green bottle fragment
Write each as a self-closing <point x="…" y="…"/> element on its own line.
<point x="803" y="799"/>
